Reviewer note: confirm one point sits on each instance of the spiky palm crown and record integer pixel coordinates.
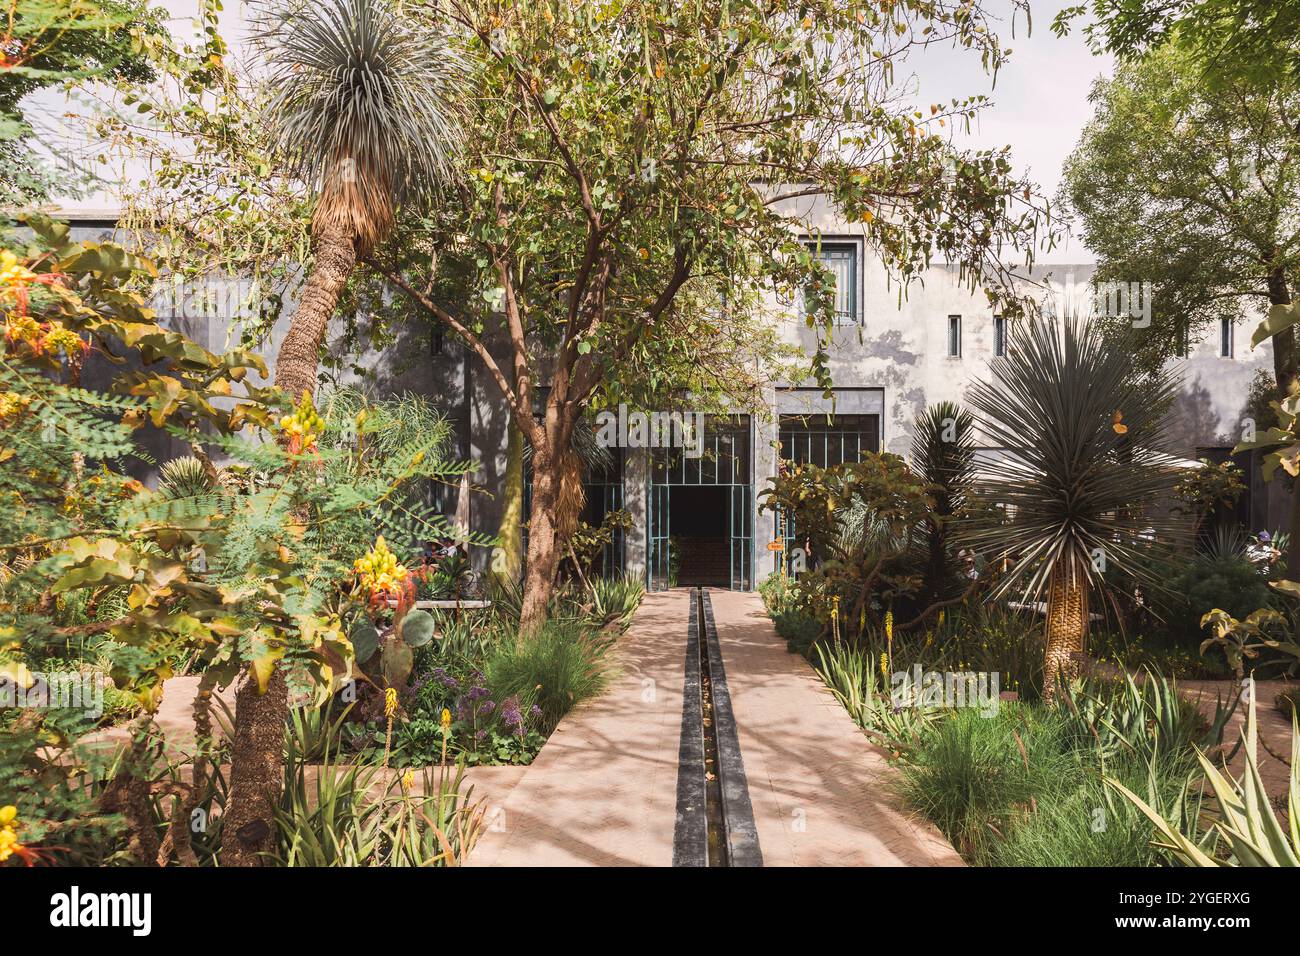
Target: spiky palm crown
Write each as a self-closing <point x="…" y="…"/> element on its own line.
<point x="943" y="453"/>
<point x="364" y="106"/>
<point x="1084" y="469"/>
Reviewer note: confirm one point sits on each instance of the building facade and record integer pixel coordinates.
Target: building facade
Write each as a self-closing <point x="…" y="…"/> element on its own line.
<point x="696" y="518"/>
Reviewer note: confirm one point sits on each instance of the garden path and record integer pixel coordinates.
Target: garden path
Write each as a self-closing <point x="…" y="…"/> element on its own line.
<point x="603" y="789"/>
<point x="819" y="787"/>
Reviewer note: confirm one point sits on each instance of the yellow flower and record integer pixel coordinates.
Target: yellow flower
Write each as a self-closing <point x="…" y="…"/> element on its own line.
<point x="390" y="701"/>
<point x="8" y="844"/>
<point x="303" y="427"/>
<point x="22" y="328"/>
<point x="13" y="272"/>
<point x="378" y="569"/>
<point x="889" y="625"/>
<point x="884" y="666"/>
<point x="408" y="779"/>
<point x="63" y="340"/>
<point x="11" y="403"/>
<point x="445" y="720"/>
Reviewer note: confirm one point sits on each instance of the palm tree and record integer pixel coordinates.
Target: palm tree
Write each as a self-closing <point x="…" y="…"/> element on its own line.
<point x="943" y="453"/>
<point x="363" y="109"/>
<point x="1081" y="471"/>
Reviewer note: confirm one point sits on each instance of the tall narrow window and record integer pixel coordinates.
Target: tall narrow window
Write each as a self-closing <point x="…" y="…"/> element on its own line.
<point x="1225" y="338"/>
<point x="999" y="335"/>
<point x="841" y="260"/>
<point x="954" y="336"/>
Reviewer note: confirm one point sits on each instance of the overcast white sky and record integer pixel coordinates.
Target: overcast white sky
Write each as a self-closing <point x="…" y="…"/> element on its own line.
<point x="1039" y="102"/>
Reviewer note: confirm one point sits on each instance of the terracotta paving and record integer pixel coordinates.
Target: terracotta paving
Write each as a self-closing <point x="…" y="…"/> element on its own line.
<point x="818" y="785"/>
<point x="603" y="790"/>
<point x="175" y="718"/>
<point x="1274" y="729"/>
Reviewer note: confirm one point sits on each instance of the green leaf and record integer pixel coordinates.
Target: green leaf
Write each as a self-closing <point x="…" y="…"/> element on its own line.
<point x="1280" y="317"/>
<point x="417" y="628"/>
<point x="365" y="640"/>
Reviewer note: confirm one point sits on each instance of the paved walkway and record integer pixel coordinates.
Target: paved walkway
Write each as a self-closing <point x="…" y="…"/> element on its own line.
<point x="1274" y="729"/>
<point x="603" y="789"/>
<point x="818" y="785"/>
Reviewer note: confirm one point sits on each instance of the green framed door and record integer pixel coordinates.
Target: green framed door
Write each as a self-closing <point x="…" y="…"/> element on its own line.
<point x="741" y="529"/>
<point x="659" y="551"/>
<point x="725" y="463"/>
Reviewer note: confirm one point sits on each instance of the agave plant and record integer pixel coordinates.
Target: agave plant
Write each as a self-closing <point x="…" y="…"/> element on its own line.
<point x="363" y="108"/>
<point x="184" y="477"/>
<point x="1247" y="829"/>
<point x="1081" y="469"/>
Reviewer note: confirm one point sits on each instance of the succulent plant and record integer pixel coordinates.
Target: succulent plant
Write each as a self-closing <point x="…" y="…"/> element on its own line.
<point x="397" y="661"/>
<point x="365" y="640"/>
<point x="417" y="628"/>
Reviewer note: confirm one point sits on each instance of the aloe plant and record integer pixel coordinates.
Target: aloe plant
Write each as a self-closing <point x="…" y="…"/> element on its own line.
<point x="1247" y="826"/>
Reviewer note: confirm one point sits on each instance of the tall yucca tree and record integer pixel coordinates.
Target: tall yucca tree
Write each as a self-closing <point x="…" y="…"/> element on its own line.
<point x="1082" y="470"/>
<point x="364" y="109"/>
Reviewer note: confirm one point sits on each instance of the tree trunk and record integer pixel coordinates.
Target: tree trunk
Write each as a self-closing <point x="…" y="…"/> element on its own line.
<point x="299" y="355"/>
<point x="257" y="752"/>
<point x="1285" y="371"/>
<point x="510" y="531"/>
<point x="256" y="771"/>
<point x="543" y="543"/>
<point x="1067" y="627"/>
<point x="571" y="499"/>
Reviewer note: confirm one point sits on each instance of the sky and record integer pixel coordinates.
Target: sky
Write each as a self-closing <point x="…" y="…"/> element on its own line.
<point x="1039" y="100"/>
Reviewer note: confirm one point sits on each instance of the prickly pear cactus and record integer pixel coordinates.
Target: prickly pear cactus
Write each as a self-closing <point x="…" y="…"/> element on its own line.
<point x="417" y="628"/>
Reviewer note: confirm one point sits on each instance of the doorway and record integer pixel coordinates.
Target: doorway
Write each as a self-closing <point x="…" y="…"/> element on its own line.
<point x="700" y="522"/>
<point x="701" y="536"/>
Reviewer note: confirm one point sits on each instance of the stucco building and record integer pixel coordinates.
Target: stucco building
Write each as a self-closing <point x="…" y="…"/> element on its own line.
<point x="697" y="520"/>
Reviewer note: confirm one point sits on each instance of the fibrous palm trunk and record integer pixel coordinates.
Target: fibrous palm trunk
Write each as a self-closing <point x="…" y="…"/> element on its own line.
<point x="1067" y="627"/>
<point x="257" y="751"/>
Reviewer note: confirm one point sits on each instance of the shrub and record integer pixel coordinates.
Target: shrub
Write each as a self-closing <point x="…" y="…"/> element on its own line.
<point x="1087" y="826"/>
<point x="615" y="599"/>
<point x="800" y="630"/>
<point x="553" y="669"/>
<point x="1027" y="787"/>
<point x="1228" y="582"/>
<point x="976" y="777"/>
<point x="352" y="816"/>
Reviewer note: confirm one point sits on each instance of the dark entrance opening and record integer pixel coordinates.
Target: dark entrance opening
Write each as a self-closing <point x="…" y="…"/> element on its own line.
<point x="700" y="532"/>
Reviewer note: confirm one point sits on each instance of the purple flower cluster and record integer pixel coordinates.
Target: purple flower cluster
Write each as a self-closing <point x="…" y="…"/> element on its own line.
<point x="475" y="703"/>
<point x="512" y="717"/>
